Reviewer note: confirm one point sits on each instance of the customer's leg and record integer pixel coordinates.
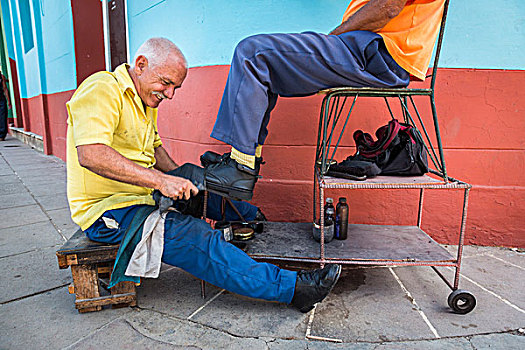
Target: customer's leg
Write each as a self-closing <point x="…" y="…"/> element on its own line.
<point x="267" y="66"/>
<point x="192" y="245"/>
<point x="214" y="210"/>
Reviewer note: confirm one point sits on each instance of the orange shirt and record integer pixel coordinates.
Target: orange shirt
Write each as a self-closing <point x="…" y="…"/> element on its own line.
<point x="410" y="36"/>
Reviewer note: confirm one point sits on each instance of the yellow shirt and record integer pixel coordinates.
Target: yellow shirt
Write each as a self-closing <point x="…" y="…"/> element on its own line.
<point x="410" y="36"/>
<point x="106" y="109"/>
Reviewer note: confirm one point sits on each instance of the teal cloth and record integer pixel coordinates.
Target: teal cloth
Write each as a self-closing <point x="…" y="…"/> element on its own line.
<point x="131" y="238"/>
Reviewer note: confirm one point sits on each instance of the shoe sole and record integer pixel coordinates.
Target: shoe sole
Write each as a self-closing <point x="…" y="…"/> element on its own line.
<point x="310" y="307"/>
<point x="233" y="193"/>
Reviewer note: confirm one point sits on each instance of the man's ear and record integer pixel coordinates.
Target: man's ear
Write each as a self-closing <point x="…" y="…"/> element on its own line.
<point x="140" y="64"/>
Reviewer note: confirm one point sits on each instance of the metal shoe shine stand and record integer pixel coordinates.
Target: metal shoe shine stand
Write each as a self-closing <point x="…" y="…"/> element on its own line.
<point x="383" y="245"/>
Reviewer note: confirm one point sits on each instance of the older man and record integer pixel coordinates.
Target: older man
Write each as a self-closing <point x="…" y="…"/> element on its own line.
<point x="115" y="159"/>
<point x="379" y="44"/>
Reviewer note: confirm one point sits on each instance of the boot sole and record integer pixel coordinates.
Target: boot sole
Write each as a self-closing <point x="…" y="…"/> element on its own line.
<point x="310" y="307"/>
<point x="233" y="193"/>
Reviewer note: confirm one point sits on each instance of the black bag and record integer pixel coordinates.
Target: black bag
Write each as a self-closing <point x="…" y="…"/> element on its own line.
<point x="398" y="150"/>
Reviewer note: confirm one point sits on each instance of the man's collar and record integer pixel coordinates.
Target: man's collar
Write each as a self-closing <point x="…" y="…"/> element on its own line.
<point x="124" y="79"/>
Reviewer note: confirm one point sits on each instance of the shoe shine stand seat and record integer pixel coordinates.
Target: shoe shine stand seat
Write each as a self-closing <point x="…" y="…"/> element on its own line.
<point x="91" y="266"/>
<point x="373" y="244"/>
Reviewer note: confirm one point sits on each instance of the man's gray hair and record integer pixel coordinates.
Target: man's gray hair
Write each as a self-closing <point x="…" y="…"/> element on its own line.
<point x="158" y="51"/>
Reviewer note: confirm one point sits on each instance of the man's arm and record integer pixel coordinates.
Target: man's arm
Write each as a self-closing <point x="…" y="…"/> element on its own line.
<point x="105" y="161"/>
<point x="163" y="161"/>
<point x="372" y="17"/>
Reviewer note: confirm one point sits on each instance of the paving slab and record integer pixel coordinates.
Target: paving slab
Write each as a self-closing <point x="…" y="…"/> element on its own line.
<point x="498" y="342"/>
<point x="29" y="273"/>
<point x="431" y="293"/>
<point x="45" y="178"/>
<point x="62" y="220"/>
<point x="283" y="344"/>
<point x="29" y="174"/>
<point x="21" y="239"/>
<point x="175" y="292"/>
<point x="30" y="158"/>
<point x="489" y="271"/>
<point x="9" y="179"/>
<point x="119" y="334"/>
<point x="182" y="332"/>
<point x="38" y="167"/>
<point x="47" y="189"/>
<point x="509" y="255"/>
<point x="368" y="305"/>
<point x="248" y="317"/>
<point x="16" y="200"/>
<point x="4" y="171"/>
<point x="12" y="188"/>
<point x="54" y="201"/>
<point x="437" y="344"/>
<point x="20" y="216"/>
<point x="49" y="321"/>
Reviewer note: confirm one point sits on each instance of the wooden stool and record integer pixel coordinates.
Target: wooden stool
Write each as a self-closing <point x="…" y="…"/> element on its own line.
<point x="91" y="266"/>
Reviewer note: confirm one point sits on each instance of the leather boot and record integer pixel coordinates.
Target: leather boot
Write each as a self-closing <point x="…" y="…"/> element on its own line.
<point x="231" y="179"/>
<point x="210" y="157"/>
<point x="313" y="286"/>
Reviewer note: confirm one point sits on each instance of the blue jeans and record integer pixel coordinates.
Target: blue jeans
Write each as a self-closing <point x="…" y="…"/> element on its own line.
<point x="291" y="65"/>
<point x="195" y="247"/>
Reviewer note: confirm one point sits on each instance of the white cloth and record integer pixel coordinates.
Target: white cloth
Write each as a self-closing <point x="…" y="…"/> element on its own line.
<point x="147" y="256"/>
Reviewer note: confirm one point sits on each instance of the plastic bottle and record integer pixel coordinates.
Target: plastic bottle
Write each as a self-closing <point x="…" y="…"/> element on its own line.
<point x="341" y="219"/>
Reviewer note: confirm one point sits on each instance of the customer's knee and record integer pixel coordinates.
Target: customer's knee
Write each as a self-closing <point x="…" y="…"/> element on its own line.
<point x="250" y="46"/>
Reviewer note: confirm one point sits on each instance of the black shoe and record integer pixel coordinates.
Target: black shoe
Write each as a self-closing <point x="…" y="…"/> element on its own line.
<point x="313" y="286"/>
<point x="231" y="179"/>
<point x="210" y="157"/>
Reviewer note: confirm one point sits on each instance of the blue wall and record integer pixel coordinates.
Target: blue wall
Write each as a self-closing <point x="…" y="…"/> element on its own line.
<point x="49" y="67"/>
<point x="480" y="34"/>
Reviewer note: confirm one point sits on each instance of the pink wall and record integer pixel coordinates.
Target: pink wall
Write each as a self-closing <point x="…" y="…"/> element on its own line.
<point x="481" y="120"/>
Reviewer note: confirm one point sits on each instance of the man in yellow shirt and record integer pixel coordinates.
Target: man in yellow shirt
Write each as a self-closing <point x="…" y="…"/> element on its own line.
<point x="379" y="44"/>
<point x="115" y="159"/>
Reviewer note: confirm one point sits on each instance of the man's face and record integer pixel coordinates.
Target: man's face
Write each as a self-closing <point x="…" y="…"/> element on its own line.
<point x="154" y="84"/>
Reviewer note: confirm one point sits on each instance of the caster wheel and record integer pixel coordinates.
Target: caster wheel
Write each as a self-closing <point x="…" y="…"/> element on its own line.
<point x="461" y="301"/>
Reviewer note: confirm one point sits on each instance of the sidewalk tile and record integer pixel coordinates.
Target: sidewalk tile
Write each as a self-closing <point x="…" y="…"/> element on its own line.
<point x="16" y="240"/>
<point x="367" y="304"/>
<point x="431" y="293"/>
<point x="30" y="273"/>
<point x="248" y="317"/>
<point x="175" y="292"/>
<point x="498" y="342"/>
<point x="188" y="334"/>
<point x="49" y="321"/>
<point x="16" y="200"/>
<point x="20" y="216"/>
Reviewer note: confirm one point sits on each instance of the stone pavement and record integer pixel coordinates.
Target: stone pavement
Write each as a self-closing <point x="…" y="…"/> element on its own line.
<point x="370" y="308"/>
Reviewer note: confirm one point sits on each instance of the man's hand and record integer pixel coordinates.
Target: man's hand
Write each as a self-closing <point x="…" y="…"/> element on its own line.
<point x="372" y="17"/>
<point x="177" y="187"/>
<point x="105" y="161"/>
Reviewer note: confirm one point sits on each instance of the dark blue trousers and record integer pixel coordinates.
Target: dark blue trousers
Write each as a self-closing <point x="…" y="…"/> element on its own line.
<point x="3" y="116"/>
<point x="290" y="65"/>
<point x="195" y="247"/>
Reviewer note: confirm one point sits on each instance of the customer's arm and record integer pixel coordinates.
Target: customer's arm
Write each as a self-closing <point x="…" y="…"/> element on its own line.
<point x="372" y="17"/>
<point x="105" y="161"/>
<point x="163" y="161"/>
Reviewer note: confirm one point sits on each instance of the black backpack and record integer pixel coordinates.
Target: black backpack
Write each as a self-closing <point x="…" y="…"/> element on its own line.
<point x="398" y="150"/>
